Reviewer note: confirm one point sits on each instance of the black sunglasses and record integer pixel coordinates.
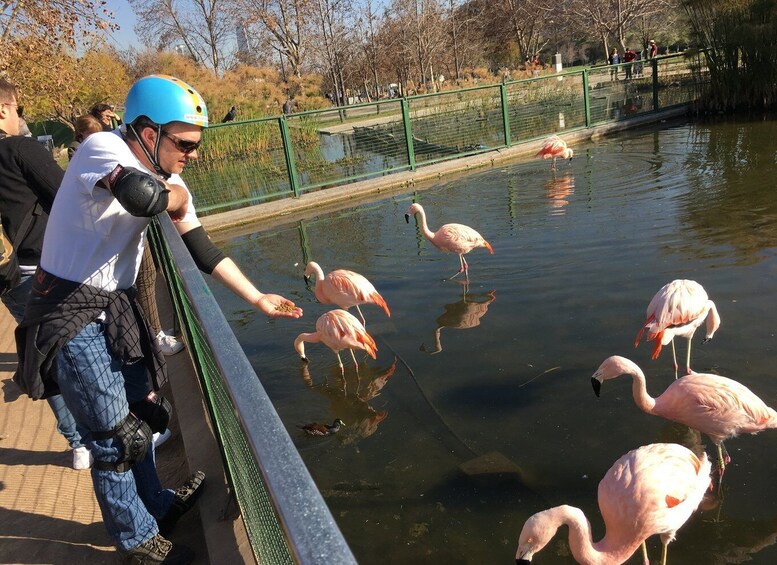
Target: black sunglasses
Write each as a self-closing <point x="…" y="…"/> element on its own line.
<point x="183" y="145"/>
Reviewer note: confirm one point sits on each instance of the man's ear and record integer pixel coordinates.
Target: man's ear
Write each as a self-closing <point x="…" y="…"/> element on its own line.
<point x="148" y="135"/>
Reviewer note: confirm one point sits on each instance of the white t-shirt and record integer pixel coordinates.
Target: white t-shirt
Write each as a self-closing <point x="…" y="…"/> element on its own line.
<point x="90" y="238"/>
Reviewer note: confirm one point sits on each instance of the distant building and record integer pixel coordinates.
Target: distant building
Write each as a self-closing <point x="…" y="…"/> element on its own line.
<point x="243" y="44"/>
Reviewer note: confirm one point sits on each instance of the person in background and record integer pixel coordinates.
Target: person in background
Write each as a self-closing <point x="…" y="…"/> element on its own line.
<point x="92" y="337"/>
<point x="29" y="178"/>
<point x="614" y="59"/>
<point x="628" y="58"/>
<point x="86" y="125"/>
<point x="652" y="49"/>
<point x="106" y="116"/>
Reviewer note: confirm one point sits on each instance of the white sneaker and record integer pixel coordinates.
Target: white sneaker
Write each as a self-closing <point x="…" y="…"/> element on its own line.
<point x="82" y="458"/>
<point x="168" y="343"/>
<point x="159" y="439"/>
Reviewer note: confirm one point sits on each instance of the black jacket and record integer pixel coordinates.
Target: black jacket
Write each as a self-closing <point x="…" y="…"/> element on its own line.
<point x="58" y="310"/>
<point x="28" y="176"/>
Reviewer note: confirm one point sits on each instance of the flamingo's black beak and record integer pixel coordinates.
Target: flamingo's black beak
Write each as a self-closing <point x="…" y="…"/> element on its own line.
<point x="597" y="386"/>
<point x="304" y="360"/>
<point x="407" y="218"/>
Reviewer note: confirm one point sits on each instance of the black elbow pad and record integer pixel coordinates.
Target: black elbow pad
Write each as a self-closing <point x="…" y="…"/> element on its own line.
<point x="139" y="193"/>
<point x="205" y="254"/>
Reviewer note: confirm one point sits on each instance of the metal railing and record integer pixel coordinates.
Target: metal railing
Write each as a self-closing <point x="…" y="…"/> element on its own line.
<point x="284" y="514"/>
<point x="244" y="163"/>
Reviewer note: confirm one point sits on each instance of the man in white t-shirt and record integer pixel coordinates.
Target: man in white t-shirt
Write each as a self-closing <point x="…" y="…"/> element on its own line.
<point x="82" y="327"/>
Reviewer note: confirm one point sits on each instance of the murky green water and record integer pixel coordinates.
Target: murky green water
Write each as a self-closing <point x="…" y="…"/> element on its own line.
<point x="578" y="258"/>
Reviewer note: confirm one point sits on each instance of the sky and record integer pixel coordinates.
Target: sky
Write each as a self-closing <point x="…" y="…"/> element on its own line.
<point x="124" y="16"/>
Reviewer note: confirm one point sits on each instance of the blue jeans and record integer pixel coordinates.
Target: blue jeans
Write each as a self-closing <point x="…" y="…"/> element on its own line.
<point x="97" y="388"/>
<point x="16" y="300"/>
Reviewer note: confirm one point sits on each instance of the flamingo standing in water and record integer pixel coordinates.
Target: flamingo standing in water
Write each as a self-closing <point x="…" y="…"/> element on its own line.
<point x="553" y="148"/>
<point x="345" y="289"/>
<point x="651" y="490"/>
<point x="338" y="330"/>
<point x="451" y="238"/>
<point x="714" y="405"/>
<point x="678" y="309"/>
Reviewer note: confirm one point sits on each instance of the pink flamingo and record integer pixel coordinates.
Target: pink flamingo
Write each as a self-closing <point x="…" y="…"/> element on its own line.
<point x="714" y="405"/>
<point x="451" y="238"/>
<point x="345" y="289"/>
<point x="651" y="490"/>
<point x="553" y="148"/>
<point x="678" y="309"/>
<point x="338" y="330"/>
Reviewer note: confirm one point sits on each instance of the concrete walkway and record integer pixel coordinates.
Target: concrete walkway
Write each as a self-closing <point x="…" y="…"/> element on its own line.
<point x="48" y="511"/>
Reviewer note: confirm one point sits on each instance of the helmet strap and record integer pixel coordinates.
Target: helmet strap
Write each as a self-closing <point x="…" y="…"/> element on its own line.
<point x="154" y="159"/>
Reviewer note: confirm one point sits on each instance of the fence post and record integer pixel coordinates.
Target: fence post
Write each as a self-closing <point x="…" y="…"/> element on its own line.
<point x="654" y="64"/>
<point x="586" y="99"/>
<point x="505" y="114"/>
<point x="288" y="153"/>
<point x="408" y="133"/>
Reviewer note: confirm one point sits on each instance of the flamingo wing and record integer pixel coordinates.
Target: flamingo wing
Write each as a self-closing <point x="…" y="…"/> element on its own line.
<point x="652" y="490"/>
<point x="552" y="147"/>
<point x="341" y="330"/>
<point x="457" y="238"/>
<point x="677" y="303"/>
<point x="347" y="288"/>
<point x="715" y="405"/>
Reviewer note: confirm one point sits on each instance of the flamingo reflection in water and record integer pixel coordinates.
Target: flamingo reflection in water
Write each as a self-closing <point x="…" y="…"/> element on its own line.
<point x="462" y="315"/>
<point x="558" y="190"/>
<point x="354" y="407"/>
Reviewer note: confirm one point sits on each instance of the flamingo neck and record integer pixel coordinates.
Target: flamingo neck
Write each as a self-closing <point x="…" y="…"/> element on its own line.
<point x="642" y="399"/>
<point x="299" y="343"/>
<point x="582" y="546"/>
<point x="428" y="234"/>
<point x="713" y="319"/>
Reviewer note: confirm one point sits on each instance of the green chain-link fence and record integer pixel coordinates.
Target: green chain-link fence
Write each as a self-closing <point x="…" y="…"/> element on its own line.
<point x="249" y="162"/>
<point x="284" y="514"/>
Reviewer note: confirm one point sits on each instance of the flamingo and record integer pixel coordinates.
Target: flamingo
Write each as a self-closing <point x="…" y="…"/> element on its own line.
<point x="651" y="490"/>
<point x="451" y="238"/>
<point x="717" y="406"/>
<point x="553" y="148"/>
<point x="677" y="310"/>
<point x="338" y="330"/>
<point x="345" y="289"/>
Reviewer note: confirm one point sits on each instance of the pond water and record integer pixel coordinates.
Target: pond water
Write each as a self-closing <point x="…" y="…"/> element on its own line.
<point x="478" y="410"/>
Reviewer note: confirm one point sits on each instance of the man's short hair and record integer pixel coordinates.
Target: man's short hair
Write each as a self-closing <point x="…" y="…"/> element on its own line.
<point x="8" y="92"/>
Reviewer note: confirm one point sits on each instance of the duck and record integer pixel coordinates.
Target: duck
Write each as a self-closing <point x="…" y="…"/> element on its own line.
<point x="316" y="429"/>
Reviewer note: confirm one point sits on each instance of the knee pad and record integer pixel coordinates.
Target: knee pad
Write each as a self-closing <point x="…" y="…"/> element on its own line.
<point x="155" y="410"/>
<point x="135" y="437"/>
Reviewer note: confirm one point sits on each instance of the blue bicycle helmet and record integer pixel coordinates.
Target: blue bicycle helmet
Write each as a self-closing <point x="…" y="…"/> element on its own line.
<point x="164" y="99"/>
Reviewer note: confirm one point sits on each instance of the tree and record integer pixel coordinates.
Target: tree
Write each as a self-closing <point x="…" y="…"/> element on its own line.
<point x="201" y="28"/>
<point x="78" y="83"/>
<point x="615" y="18"/>
<point x="286" y="22"/>
<point x="29" y="29"/>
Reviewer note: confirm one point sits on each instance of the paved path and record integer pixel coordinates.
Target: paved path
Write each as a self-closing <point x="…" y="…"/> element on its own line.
<point x="48" y="511"/>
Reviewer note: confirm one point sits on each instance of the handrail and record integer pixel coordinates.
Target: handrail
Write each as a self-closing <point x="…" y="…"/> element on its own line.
<point x="312" y="535"/>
